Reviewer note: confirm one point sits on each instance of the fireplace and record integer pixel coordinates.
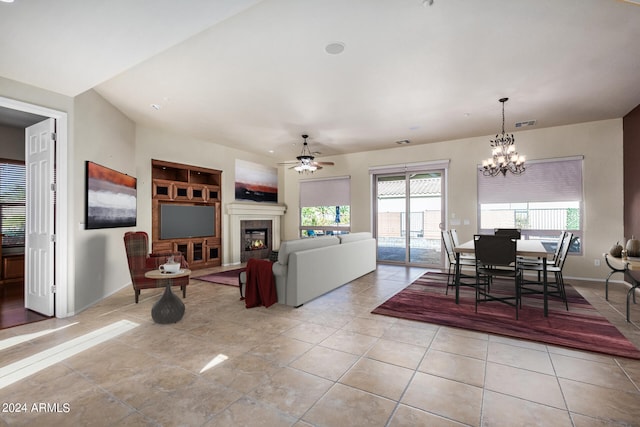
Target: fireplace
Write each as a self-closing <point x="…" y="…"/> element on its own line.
<point x="255" y="236"/>
<point x="242" y="212"/>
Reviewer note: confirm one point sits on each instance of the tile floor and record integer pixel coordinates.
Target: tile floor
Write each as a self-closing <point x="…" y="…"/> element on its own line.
<point x="328" y="363"/>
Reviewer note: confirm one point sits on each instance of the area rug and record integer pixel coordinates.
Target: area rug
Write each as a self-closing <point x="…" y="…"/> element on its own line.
<point x="582" y="327"/>
<point x="229" y="277"/>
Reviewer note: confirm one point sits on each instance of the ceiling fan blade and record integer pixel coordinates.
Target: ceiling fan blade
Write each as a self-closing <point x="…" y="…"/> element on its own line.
<point x="325" y="163"/>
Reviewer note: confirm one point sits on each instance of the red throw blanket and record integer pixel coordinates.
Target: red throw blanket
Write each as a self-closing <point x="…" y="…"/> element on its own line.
<point x="261" y="286"/>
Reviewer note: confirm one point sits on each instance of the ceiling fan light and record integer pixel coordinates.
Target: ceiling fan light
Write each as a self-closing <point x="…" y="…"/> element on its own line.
<point x="306" y="162"/>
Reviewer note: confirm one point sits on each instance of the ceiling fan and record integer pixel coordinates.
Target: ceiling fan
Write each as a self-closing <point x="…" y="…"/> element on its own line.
<point x="306" y="162"/>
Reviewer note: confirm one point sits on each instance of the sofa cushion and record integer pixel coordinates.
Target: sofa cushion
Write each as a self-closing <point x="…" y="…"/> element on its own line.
<point x="354" y="237"/>
<point x="302" y="245"/>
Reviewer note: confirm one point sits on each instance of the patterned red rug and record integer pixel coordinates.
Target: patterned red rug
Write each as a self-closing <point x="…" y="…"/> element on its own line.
<point x="229" y="277"/>
<point x="582" y="327"/>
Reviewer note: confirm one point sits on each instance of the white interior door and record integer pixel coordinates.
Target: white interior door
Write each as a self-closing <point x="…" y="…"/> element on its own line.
<point x="39" y="245"/>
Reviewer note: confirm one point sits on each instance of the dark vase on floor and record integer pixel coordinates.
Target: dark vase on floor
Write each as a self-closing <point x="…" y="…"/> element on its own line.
<point x="169" y="309"/>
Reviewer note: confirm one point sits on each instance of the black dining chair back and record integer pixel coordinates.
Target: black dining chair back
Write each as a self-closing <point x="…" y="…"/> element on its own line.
<point x="496" y="257"/>
<point x="514" y="233"/>
<point x="497" y="250"/>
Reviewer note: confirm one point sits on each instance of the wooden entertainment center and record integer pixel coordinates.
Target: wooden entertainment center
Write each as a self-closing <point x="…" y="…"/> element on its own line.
<point x="183" y="185"/>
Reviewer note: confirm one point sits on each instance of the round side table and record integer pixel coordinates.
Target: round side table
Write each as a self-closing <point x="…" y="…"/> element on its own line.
<point x="169" y="308"/>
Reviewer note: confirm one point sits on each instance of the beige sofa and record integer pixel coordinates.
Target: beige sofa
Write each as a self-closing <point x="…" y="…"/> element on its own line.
<point x="308" y="268"/>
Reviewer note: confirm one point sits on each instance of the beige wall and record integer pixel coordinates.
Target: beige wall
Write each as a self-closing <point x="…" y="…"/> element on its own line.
<point x="11" y="143"/>
<point x="599" y="142"/>
<point x="105" y="136"/>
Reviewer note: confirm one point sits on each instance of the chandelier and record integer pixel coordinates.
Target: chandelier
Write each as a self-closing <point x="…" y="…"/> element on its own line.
<point x="504" y="156"/>
<point x="305" y="159"/>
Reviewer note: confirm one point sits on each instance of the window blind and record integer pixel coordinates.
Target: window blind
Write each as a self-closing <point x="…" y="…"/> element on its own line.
<point x="557" y="180"/>
<point x="325" y="192"/>
<point x="12" y="203"/>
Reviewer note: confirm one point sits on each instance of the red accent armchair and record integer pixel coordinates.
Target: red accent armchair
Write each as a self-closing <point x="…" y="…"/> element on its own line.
<point x="140" y="261"/>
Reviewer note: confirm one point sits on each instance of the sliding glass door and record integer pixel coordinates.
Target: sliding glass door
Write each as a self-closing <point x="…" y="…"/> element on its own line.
<point x="408" y="213"/>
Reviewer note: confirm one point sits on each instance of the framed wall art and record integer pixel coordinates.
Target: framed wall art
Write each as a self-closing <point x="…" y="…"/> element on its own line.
<point x="256" y="182"/>
<point x="110" y="198"/>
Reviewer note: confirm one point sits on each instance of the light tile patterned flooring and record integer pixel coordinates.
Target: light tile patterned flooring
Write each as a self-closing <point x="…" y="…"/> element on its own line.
<point x="328" y="363"/>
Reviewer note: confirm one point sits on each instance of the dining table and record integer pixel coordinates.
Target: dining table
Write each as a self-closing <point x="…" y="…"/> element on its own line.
<point x="524" y="248"/>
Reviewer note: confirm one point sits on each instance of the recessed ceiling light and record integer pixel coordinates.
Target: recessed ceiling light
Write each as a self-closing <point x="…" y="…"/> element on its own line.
<point x="7" y="1"/>
<point x="334" y="48"/>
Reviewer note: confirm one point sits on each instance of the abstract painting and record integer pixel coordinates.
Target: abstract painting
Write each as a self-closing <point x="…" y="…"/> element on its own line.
<point x="256" y="182"/>
<point x="110" y="198"/>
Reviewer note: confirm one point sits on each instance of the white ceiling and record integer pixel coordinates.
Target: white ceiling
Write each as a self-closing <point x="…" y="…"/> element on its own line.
<point x="254" y="74"/>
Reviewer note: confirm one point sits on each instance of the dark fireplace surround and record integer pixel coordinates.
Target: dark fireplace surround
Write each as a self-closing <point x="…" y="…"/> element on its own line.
<point x="256" y="239"/>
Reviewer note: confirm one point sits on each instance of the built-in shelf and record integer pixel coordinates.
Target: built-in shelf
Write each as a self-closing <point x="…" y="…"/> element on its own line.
<point x="187" y="185"/>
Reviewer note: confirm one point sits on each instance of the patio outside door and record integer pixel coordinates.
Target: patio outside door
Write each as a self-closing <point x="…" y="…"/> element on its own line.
<point x="412" y="238"/>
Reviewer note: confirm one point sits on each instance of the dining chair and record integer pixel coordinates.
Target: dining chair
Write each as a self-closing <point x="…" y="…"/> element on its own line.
<point x="514" y="233"/>
<point x="466" y="261"/>
<point x="469" y="258"/>
<point x="552" y="259"/>
<point x="554" y="267"/>
<point x="454" y="237"/>
<point x="496" y="258"/>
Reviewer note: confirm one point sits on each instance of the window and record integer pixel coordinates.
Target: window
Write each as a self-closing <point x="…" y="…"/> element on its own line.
<point x="12" y="202"/>
<point x="542" y="202"/>
<point x="325" y="206"/>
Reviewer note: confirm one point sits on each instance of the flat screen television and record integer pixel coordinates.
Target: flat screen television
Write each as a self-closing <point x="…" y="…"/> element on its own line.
<point x="185" y="221"/>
